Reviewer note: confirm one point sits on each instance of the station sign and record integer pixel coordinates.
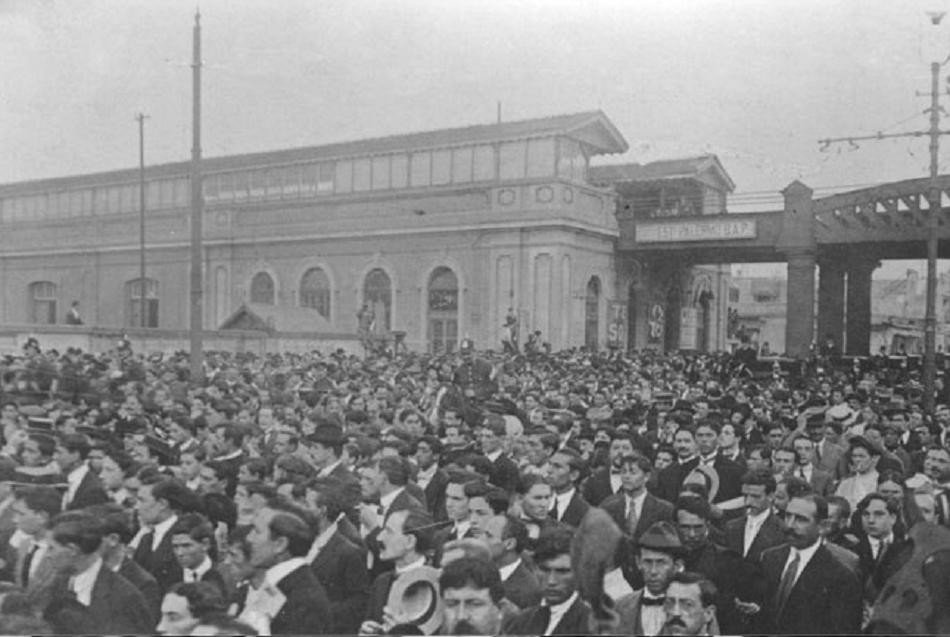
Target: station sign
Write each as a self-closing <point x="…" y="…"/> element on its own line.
<point x="713" y="230"/>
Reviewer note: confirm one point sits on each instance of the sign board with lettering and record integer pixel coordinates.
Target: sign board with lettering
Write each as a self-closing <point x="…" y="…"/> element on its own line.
<point x="713" y="230"/>
<point x="616" y="324"/>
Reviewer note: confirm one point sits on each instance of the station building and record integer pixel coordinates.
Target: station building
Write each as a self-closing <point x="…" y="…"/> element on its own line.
<point x="438" y="234"/>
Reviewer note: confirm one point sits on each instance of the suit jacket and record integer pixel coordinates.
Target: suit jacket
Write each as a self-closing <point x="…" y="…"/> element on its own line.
<point x="576" y="621"/>
<point x="828" y="458"/>
<point x="307" y="610"/>
<point x="161" y="563"/>
<point x="628" y="610"/>
<point x="654" y="510"/>
<point x="597" y="487"/>
<point x="89" y="492"/>
<point x="771" y="534"/>
<point x="876" y="572"/>
<point x="522" y="588"/>
<point x="341" y="568"/>
<point x="116" y="608"/>
<point x="378" y="595"/>
<point x="505" y="474"/>
<point x="823" y="482"/>
<point x="826" y="598"/>
<point x="730" y="479"/>
<point x="577" y="507"/>
<point x="147" y="585"/>
<point x="435" y="494"/>
<point x="351" y="488"/>
<point x="402" y="502"/>
<point x="448" y="534"/>
<point x="670" y="480"/>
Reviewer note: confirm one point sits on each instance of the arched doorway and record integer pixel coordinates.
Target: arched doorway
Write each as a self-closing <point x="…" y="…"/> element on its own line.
<point x="592" y="314"/>
<point x="632" y="317"/>
<point x="703" y="321"/>
<point x="378" y="297"/>
<point x="443" y="309"/>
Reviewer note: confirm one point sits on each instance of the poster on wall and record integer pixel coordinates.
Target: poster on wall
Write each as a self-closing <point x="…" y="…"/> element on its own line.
<point x="616" y="324"/>
<point x="689" y="317"/>
<point x="657" y="324"/>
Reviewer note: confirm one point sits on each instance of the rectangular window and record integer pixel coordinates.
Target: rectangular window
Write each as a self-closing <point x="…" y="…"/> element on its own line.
<point x="211" y="186"/>
<point x="567" y="149"/>
<point x="325" y="177"/>
<point x="308" y="179"/>
<point x="241" y="184"/>
<point x="483" y="168"/>
<point x="75" y="203"/>
<point x="344" y="176"/>
<point x="541" y="157"/>
<point x="87" y="208"/>
<point x="291" y="178"/>
<point x="511" y="158"/>
<point x="419" y="170"/>
<point x="400" y="171"/>
<point x="167" y="194"/>
<point x="380" y="173"/>
<point x="580" y="166"/>
<point x="462" y="165"/>
<point x="441" y="167"/>
<point x="275" y="183"/>
<point x="361" y="171"/>
<point x="733" y="295"/>
<point x="42" y="211"/>
<point x="257" y="184"/>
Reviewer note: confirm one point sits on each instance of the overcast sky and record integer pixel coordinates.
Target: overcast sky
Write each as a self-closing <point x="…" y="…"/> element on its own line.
<point x="755" y="82"/>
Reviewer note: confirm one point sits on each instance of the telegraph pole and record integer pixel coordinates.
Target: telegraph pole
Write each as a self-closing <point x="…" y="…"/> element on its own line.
<point x="142" y="299"/>
<point x="934" y="205"/>
<point x="195" y="333"/>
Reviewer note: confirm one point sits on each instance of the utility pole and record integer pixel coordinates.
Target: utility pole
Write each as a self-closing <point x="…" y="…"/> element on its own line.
<point x="142" y="298"/>
<point x="195" y="333"/>
<point x="933" y="199"/>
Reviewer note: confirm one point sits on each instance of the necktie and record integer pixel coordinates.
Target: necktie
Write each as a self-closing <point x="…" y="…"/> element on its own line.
<point x="27" y="562"/>
<point x="749" y="537"/>
<point x="788" y="581"/>
<point x="632" y="519"/>
<point x="143" y="552"/>
<point x="801" y="473"/>
<point x="652" y="601"/>
<point x="881" y="550"/>
<point x="543" y="618"/>
<point x="818" y="452"/>
<point x="554" y="512"/>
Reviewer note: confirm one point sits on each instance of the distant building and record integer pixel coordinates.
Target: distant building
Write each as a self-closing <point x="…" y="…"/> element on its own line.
<point x="432" y="236"/>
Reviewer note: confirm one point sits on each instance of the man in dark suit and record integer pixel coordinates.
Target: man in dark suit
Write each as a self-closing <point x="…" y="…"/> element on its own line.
<point x="562" y="611"/>
<point x="279" y="542"/>
<point x="159" y="505"/>
<point x="821" y="482"/>
<point x="880" y="542"/>
<point x="730" y="473"/>
<point x="671" y="478"/>
<point x="568" y="505"/>
<point x="760" y="528"/>
<point x="504" y="472"/>
<point x="84" y="487"/>
<point x="385" y="482"/>
<point x="430" y="477"/>
<point x="90" y="598"/>
<point x="807" y="591"/>
<point x="117" y="533"/>
<point x="605" y="481"/>
<point x="326" y="447"/>
<point x="404" y="541"/>
<point x="507" y="538"/>
<point x="192" y="538"/>
<point x="339" y="564"/>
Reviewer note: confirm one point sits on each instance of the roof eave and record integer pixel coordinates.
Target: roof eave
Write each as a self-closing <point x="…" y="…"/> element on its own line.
<point x="601" y="134"/>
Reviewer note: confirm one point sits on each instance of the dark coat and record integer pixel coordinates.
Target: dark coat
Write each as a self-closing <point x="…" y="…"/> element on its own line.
<point x="522" y="588"/>
<point x="771" y="534"/>
<point x="147" y="585"/>
<point x="435" y="494"/>
<point x="730" y="479"/>
<point x="161" y="563"/>
<point x="402" y="502"/>
<point x="724" y="568"/>
<point x="670" y="480"/>
<point x="876" y="572"/>
<point x="826" y="599"/>
<point x="307" y="610"/>
<point x="378" y="596"/>
<point x="341" y="568"/>
<point x="654" y="510"/>
<point x="597" y="487"/>
<point x="576" y="621"/>
<point x="116" y="608"/>
<point x="575" y="511"/>
<point x="90" y="492"/>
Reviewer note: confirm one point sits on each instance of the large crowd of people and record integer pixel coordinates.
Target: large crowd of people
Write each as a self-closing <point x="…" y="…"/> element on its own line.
<point x="476" y="492"/>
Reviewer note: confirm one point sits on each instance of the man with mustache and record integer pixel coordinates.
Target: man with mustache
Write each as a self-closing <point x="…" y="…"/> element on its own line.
<point x="690" y="605"/>
<point x="471" y="592"/>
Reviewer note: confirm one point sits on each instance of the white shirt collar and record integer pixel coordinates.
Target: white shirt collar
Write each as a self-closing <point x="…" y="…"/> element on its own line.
<point x="461" y="528"/>
<point x="230" y="456"/>
<point x="83" y="583"/>
<point x="327" y="470"/>
<point x="417" y="564"/>
<point x="805" y="556"/>
<point x="759" y="518"/>
<point x="386" y="501"/>
<point x="507" y="571"/>
<point x="161" y="529"/>
<point x="278" y="572"/>
<point x="76" y="476"/>
<point x="320" y="541"/>
<point x="562" y="500"/>
<point x="558" y="611"/>
<point x="687" y="460"/>
<point x="203" y="568"/>
<point x="424" y="476"/>
<point x="494" y="455"/>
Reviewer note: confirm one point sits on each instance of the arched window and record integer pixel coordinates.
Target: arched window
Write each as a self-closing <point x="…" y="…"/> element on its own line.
<point x="135" y="303"/>
<point x="262" y="289"/>
<point x="315" y="291"/>
<point x="43" y="302"/>
<point x="443" y="310"/>
<point x="378" y="297"/>
<point x="592" y="314"/>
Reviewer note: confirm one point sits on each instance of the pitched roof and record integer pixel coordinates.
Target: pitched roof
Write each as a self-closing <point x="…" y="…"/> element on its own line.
<point x="275" y="318"/>
<point x="684" y="168"/>
<point x="590" y="127"/>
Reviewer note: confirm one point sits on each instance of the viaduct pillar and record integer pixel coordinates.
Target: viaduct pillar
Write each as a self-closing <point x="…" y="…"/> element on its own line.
<point x="797" y="242"/>
<point x="831" y="301"/>
<point x="859" y="306"/>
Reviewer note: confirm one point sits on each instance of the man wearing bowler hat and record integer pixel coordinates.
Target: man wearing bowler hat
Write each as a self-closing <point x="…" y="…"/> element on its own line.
<point x="326" y="447"/>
